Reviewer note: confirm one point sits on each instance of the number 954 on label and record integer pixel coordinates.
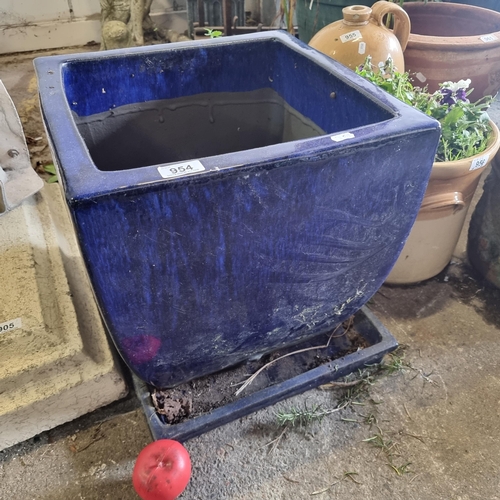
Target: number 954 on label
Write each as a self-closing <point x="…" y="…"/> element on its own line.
<point x="180" y="169"/>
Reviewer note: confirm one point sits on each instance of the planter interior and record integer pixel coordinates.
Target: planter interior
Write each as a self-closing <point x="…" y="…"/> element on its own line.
<point x="230" y="196"/>
<point x="452" y="42"/>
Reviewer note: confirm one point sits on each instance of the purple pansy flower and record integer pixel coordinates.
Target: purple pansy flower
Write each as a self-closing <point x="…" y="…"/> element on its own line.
<point x="454" y="91"/>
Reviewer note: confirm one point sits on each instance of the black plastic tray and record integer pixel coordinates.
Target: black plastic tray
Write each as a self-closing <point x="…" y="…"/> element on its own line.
<point x="379" y="340"/>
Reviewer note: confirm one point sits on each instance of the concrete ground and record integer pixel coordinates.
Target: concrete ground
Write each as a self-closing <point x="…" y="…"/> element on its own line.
<point x="430" y="430"/>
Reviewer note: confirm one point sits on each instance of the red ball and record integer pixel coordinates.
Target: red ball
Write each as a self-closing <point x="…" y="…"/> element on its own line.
<point x="162" y="470"/>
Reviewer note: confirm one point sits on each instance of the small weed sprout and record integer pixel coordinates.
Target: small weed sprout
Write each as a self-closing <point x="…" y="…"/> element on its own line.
<point x="395" y="363"/>
<point x="369" y="419"/>
<point x="51" y="170"/>
<point x="302" y="418"/>
<point x="402" y="469"/>
<point x="379" y="441"/>
<point x="213" y="33"/>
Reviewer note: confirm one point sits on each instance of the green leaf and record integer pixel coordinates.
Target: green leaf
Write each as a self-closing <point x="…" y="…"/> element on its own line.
<point x="50" y="169"/>
<point x="453" y="117"/>
<point x="213" y="33"/>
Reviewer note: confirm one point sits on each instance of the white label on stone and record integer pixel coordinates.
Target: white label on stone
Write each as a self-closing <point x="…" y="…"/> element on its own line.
<point x="10" y="325"/>
<point x="180" y="169"/>
<point x="342" y="137"/>
<point x="361" y="48"/>
<point x="349" y="37"/>
<point x="488" y="38"/>
<point x="421" y="77"/>
<point x="480" y="162"/>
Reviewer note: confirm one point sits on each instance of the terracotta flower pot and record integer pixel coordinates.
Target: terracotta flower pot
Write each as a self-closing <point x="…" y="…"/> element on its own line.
<point x="486" y="4"/>
<point x="435" y="234"/>
<point x="450" y="42"/>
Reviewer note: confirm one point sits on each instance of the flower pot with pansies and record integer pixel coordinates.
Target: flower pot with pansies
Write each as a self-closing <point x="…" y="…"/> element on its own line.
<point x="469" y="141"/>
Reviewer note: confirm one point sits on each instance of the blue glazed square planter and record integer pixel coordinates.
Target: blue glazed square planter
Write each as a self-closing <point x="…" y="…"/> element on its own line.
<point x="230" y="196"/>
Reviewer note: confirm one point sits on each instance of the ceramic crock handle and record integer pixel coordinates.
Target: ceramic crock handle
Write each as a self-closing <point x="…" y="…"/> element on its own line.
<point x="401" y="20"/>
<point x="443" y="200"/>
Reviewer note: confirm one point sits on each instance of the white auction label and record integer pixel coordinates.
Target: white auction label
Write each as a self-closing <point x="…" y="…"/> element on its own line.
<point x="7" y="326"/>
<point x="479" y="162"/>
<point x="421" y="77"/>
<point x="361" y="48"/>
<point x="349" y="37"/>
<point x="488" y="38"/>
<point x="180" y="169"/>
<point x="342" y="137"/>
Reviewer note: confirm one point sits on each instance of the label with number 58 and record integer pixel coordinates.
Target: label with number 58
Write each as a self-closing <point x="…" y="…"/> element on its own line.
<point x="479" y="162"/>
<point x="180" y="169"/>
<point x="488" y="38"/>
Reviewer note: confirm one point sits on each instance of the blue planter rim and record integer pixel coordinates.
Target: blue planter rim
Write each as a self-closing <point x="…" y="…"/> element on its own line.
<point x="84" y="181"/>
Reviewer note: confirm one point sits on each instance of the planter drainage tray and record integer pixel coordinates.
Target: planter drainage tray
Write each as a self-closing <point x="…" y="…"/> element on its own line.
<point x="231" y="197"/>
<point x="363" y="343"/>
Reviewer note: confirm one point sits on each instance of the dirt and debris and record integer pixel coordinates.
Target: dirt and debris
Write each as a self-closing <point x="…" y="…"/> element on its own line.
<point x="173" y="405"/>
<point x="205" y="394"/>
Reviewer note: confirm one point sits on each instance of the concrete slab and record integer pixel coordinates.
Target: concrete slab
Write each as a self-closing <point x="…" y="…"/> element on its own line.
<point x="55" y="361"/>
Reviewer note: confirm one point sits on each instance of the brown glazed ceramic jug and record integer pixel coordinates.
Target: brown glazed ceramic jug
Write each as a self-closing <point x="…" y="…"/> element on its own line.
<point x="362" y="33"/>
